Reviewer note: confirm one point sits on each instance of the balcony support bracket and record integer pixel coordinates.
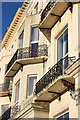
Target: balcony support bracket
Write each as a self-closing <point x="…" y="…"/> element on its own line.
<point x="59" y="94"/>
<point x="42" y="101"/>
<point x="67" y="84"/>
<point x="55" y="93"/>
<point x="55" y="15"/>
<point x="13" y="70"/>
<point x="46" y="32"/>
<point x="19" y="63"/>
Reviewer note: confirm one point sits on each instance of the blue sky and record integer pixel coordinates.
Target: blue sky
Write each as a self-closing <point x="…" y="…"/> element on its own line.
<point x="7" y="13"/>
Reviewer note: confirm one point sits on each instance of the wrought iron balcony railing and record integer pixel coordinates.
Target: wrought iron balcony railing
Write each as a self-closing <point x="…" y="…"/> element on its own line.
<point x="28" y="52"/>
<point x="6" y="114"/>
<point x="5" y="87"/>
<point x="15" y="110"/>
<point x="47" y="9"/>
<point x="54" y="72"/>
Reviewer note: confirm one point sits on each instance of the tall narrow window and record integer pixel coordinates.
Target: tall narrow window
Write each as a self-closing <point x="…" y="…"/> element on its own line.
<point x="62" y="48"/>
<point x="34" y="41"/>
<point x="21" y="40"/>
<point x="31" y="84"/>
<point x="63" y="45"/>
<point x="17" y="92"/>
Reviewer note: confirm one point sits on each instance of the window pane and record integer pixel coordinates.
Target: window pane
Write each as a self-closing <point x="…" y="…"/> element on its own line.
<point x="21" y="40"/>
<point x="60" y="47"/>
<point x="17" y="92"/>
<point x="65" y="43"/>
<point x="66" y="116"/>
<point x="35" y="34"/>
<point x="34" y="50"/>
<point x="31" y="84"/>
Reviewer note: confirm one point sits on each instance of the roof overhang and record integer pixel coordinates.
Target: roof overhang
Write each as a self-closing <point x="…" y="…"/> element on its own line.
<point x="54" y="90"/>
<point x="14" y="25"/>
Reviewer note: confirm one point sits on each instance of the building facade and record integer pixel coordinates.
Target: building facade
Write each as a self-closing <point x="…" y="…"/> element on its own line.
<point x="42" y="49"/>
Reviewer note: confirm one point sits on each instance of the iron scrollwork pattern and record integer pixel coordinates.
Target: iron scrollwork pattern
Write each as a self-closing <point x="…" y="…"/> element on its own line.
<point x="47" y="9"/>
<point x="15" y="110"/>
<point x="54" y="72"/>
<point x="28" y="52"/>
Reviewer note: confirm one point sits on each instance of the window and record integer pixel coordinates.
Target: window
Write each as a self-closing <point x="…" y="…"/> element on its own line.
<point x="31" y="84"/>
<point x="34" y="41"/>
<point x="21" y="40"/>
<point x="62" y="48"/>
<point x="17" y="92"/>
<point x="62" y="45"/>
<point x="64" y="117"/>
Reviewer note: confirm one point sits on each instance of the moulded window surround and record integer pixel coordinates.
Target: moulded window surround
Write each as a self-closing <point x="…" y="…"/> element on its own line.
<point x="32" y="79"/>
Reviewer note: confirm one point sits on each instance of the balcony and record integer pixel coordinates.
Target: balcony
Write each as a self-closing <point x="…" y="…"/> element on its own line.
<point x="6" y="114"/>
<point x="5" y="89"/>
<point x="55" y="82"/>
<point x="15" y="110"/>
<point x="51" y="15"/>
<point x="24" y="56"/>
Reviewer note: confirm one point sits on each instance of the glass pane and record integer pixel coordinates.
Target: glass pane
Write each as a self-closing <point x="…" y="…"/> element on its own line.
<point x="65" y="43"/>
<point x="60" y="47"/>
<point x="66" y="116"/>
<point x="66" y="62"/>
<point x="34" y="50"/>
<point x="31" y="84"/>
<point x="60" y="118"/>
<point x="21" y="40"/>
<point x="35" y="34"/>
<point x="18" y="87"/>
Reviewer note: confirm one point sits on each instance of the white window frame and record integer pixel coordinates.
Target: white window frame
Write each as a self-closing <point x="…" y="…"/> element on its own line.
<point x="31" y="75"/>
<point x="32" y="42"/>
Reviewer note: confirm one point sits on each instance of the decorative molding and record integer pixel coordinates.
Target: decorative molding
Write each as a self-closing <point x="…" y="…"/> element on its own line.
<point x="76" y="96"/>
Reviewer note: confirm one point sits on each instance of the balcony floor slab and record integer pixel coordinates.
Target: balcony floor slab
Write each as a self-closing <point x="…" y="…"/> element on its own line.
<point x="55" y="89"/>
<point x="21" y="62"/>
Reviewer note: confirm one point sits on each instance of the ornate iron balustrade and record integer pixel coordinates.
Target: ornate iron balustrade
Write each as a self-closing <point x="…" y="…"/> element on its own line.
<point x="6" y="114"/>
<point x="15" y="109"/>
<point x="4" y="87"/>
<point x="28" y="52"/>
<point x="54" y="72"/>
<point x="47" y="9"/>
